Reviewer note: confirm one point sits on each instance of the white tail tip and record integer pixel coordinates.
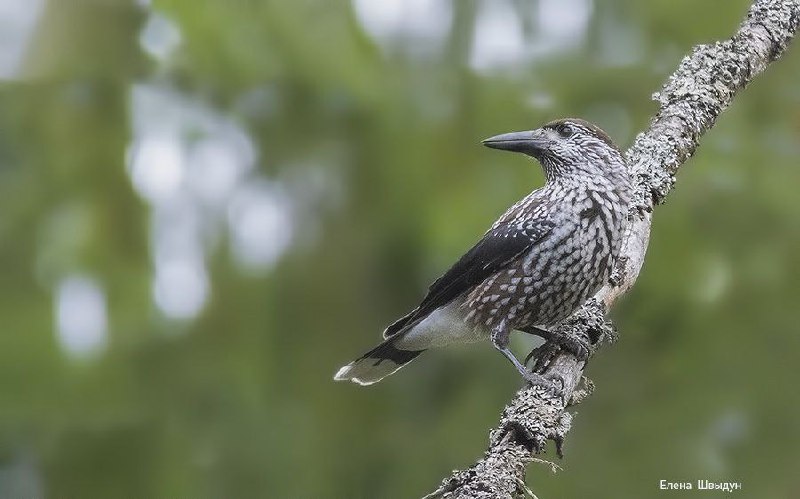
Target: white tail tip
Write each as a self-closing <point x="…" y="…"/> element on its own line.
<point x="365" y="371"/>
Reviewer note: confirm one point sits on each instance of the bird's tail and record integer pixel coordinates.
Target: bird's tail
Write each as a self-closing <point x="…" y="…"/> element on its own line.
<point x="378" y="363"/>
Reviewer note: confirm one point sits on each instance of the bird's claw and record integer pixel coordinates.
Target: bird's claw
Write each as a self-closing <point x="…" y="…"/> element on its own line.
<point x="542" y="356"/>
<point x="578" y="347"/>
<point x="557" y="342"/>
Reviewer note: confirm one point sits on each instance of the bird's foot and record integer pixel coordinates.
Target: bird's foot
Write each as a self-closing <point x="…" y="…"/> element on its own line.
<point x="542" y="356"/>
<point x="573" y="344"/>
<point x="500" y="340"/>
<point x="556" y="341"/>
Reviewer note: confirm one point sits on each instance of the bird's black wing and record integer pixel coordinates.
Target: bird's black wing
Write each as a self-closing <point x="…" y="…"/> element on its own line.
<point x="498" y="247"/>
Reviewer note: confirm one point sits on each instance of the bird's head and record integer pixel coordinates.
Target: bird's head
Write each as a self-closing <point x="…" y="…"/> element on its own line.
<point x="564" y="147"/>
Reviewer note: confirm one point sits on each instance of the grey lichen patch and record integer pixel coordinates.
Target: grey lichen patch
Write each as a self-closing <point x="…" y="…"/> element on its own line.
<point x="651" y="181"/>
<point x="584" y="390"/>
<point x="779" y="19"/>
<point x="494" y="476"/>
<point x="618" y="273"/>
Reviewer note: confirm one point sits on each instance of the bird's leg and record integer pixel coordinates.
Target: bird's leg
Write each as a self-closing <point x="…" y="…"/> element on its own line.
<point x="500" y="339"/>
<point x="575" y="345"/>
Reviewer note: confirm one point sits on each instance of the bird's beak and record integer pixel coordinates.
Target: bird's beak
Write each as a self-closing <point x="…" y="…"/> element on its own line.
<point x="531" y="142"/>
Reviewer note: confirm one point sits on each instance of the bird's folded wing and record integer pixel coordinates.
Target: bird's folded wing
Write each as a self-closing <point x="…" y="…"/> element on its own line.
<point x="498" y="247"/>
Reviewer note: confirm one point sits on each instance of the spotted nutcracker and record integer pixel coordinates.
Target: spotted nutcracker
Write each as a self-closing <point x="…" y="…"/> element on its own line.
<point x="535" y="266"/>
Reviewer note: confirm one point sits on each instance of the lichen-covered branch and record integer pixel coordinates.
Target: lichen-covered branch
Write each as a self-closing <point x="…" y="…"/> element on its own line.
<point x="690" y="102"/>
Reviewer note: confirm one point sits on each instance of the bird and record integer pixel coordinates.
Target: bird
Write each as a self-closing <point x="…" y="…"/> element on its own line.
<point x="537" y="264"/>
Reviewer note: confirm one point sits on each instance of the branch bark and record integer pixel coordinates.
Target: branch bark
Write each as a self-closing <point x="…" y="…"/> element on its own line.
<point x="690" y="102"/>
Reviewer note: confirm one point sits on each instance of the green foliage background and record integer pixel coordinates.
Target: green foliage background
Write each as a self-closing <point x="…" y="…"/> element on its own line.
<point x="378" y="147"/>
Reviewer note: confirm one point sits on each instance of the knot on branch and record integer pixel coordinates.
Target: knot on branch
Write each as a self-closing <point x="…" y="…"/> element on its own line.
<point x="494" y="476"/>
<point x="535" y="416"/>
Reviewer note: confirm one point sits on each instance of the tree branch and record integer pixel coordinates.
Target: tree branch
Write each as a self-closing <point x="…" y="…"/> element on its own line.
<point x="690" y="102"/>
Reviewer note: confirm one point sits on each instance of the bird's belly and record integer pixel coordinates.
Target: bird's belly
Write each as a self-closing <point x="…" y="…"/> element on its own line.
<point x="547" y="284"/>
<point x="442" y="327"/>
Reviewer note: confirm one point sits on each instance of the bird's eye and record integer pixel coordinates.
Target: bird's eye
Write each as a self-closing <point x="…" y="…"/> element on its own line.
<point x="565" y="130"/>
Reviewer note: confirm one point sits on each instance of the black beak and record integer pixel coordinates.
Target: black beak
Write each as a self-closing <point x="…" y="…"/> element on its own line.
<point x="531" y="142"/>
